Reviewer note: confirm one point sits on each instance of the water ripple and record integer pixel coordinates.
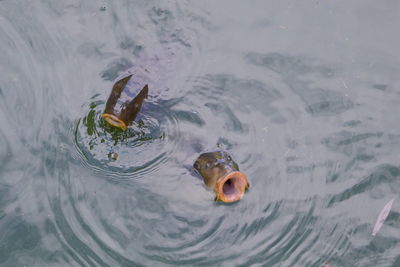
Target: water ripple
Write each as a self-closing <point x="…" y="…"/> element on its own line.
<point x="140" y="150"/>
<point x="315" y="130"/>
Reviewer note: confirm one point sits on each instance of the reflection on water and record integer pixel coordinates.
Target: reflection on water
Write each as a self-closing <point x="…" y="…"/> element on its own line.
<point x="304" y="80"/>
<point x="303" y="95"/>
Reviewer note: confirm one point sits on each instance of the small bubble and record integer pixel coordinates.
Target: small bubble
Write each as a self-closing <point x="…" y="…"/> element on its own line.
<point x="162" y="137"/>
<point x="113" y="156"/>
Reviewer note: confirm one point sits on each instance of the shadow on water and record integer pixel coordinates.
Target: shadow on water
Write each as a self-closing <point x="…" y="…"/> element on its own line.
<point x="18" y="238"/>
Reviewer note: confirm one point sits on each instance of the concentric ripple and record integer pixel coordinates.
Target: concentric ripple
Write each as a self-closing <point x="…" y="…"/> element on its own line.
<point x="126" y="154"/>
<point x="308" y="110"/>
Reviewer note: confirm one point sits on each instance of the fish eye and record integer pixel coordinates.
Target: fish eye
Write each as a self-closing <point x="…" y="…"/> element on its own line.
<point x="229" y="158"/>
<point x="208" y="164"/>
<point x="196" y="165"/>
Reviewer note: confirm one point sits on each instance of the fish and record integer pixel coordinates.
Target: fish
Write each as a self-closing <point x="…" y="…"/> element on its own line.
<point x="221" y="174"/>
<point x="126" y="99"/>
<point x="382" y="217"/>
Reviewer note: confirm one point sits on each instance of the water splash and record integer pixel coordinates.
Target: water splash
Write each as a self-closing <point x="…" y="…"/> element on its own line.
<point x="138" y="150"/>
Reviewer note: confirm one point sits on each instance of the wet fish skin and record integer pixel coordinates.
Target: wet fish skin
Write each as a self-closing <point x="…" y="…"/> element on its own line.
<point x="212" y="165"/>
<point x="222" y="174"/>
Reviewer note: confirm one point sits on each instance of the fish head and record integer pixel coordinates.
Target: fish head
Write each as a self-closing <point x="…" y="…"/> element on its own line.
<point x="222" y="174"/>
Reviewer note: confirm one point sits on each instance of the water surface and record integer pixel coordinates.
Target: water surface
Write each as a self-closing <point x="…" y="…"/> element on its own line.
<point x="305" y="96"/>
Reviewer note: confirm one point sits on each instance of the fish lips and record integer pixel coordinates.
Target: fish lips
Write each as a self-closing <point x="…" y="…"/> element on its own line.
<point x="114" y="121"/>
<point x="231" y="187"/>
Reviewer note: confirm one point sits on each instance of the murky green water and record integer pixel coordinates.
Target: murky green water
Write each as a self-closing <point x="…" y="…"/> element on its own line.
<point x="304" y="95"/>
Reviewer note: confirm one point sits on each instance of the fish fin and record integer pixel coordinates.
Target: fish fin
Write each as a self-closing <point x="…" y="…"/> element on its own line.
<point x="135" y="105"/>
<point x="120" y="85"/>
<point x="115" y="94"/>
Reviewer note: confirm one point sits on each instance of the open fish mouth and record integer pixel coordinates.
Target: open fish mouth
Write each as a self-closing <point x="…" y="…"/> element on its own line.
<point x="231" y="187"/>
<point x="114" y="121"/>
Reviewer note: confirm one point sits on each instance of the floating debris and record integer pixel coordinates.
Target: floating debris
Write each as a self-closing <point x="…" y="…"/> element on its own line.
<point x="382" y="217"/>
